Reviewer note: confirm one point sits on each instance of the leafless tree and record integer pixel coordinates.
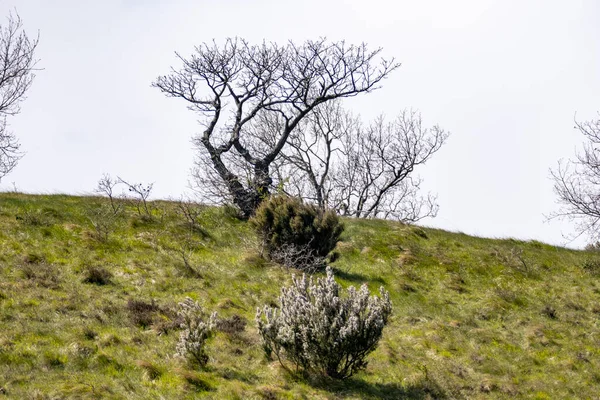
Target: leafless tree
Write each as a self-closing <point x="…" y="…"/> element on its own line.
<point x="104" y="221"/>
<point x="307" y="166"/>
<point x="106" y="187"/>
<point x="232" y="87"/>
<point x="361" y="171"/>
<point x="140" y="193"/>
<point x="17" y="64"/>
<point x="375" y="176"/>
<point x="191" y="212"/>
<point x="577" y="183"/>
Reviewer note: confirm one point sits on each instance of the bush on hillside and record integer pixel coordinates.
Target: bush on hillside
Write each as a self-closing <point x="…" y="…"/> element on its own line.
<point x="320" y="331"/>
<point x="296" y="234"/>
<point x="197" y="329"/>
<point x="97" y="276"/>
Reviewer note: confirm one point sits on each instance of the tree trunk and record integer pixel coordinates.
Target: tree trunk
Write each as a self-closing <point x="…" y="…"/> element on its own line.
<point x="248" y="199"/>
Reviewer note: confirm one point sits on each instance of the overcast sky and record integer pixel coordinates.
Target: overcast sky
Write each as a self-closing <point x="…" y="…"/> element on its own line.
<point x="504" y="77"/>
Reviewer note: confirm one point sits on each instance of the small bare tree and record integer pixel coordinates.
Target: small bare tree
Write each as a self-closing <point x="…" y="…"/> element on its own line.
<point x="375" y="175"/>
<point x="17" y="64"/>
<point x="106" y="187"/>
<point x="577" y="183"/>
<point x="104" y="221"/>
<point x="236" y="85"/>
<point x="140" y="194"/>
<point x="306" y="166"/>
<point x="191" y="212"/>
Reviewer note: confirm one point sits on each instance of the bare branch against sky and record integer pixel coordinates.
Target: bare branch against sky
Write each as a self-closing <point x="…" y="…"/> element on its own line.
<point x="234" y="85"/>
<point x="17" y="63"/>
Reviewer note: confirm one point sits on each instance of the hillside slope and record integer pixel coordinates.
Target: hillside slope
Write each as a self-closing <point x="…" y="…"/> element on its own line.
<point x="473" y="318"/>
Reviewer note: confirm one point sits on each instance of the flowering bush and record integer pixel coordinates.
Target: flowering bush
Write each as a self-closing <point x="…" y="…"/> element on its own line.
<point x="196" y="330"/>
<point x="318" y="330"/>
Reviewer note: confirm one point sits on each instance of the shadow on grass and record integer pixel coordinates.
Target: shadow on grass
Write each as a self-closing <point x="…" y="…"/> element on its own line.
<point x="356" y="278"/>
<point x="425" y="389"/>
<point x="245" y="377"/>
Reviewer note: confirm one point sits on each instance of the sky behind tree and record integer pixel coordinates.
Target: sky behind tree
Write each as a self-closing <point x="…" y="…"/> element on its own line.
<point x="506" y="78"/>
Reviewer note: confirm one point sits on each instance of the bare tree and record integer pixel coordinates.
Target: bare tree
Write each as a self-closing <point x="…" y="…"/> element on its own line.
<point x="577" y="183"/>
<point x="191" y="212"/>
<point x="307" y="166"/>
<point x="232" y="86"/>
<point x="361" y="171"/>
<point x="140" y="194"/>
<point x="17" y="64"/>
<point x="375" y="177"/>
<point x="106" y="187"/>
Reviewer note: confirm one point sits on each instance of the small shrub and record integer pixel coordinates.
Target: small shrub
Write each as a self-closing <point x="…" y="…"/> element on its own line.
<point x="142" y="312"/>
<point x="318" y="330"/>
<point x="98" y="276"/>
<point x="296" y="234"/>
<point x="34" y="217"/>
<point x="41" y="274"/>
<point x="592" y="265"/>
<point x="191" y="213"/>
<point x="90" y="334"/>
<point x="232" y="325"/>
<point x="104" y="220"/>
<point x="54" y="360"/>
<point x="185" y="252"/>
<point x="516" y="260"/>
<point x="197" y="330"/>
<point x="34" y="258"/>
<point x="550" y="312"/>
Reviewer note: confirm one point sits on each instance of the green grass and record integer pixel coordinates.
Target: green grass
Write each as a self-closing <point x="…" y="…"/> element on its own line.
<point x="473" y="317"/>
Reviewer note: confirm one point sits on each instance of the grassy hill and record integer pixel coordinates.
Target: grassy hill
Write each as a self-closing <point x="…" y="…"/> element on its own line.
<point x="84" y="316"/>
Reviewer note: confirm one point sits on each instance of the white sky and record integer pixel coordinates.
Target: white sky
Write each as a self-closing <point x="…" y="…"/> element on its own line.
<point x="505" y="77"/>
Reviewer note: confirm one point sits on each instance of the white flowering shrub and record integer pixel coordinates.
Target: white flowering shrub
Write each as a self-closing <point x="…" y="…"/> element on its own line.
<point x="320" y="331"/>
<point x="196" y="330"/>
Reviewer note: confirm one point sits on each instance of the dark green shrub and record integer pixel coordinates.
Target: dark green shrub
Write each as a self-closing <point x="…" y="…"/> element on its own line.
<point x="296" y="234"/>
<point x="98" y="276"/>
